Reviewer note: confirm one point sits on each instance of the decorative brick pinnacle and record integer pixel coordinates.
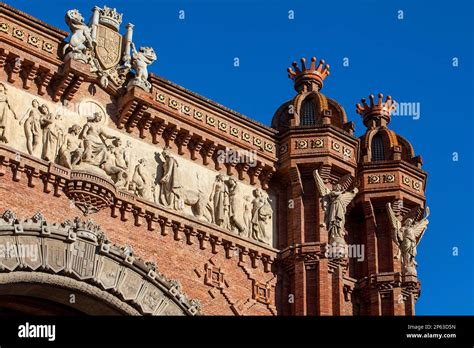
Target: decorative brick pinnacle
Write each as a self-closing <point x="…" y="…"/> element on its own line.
<point x="379" y="113"/>
<point x="308" y="79"/>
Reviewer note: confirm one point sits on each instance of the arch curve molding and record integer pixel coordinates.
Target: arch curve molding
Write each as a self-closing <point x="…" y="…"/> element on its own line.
<point x="77" y="252"/>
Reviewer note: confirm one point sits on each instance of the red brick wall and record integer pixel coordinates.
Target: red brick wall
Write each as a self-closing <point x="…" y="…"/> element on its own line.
<point x="175" y="259"/>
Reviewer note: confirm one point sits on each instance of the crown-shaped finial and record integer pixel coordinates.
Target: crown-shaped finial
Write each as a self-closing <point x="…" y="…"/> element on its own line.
<point x="379" y="113"/>
<point x="110" y="17"/>
<point x="309" y="79"/>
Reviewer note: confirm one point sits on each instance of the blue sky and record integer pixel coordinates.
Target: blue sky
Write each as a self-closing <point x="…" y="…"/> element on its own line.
<point x="410" y="59"/>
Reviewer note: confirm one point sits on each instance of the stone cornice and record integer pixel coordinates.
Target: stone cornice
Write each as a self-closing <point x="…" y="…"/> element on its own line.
<point x="193" y="96"/>
<point x="311" y="130"/>
<point x="33" y="22"/>
<point x="387" y="281"/>
<point x="391" y="176"/>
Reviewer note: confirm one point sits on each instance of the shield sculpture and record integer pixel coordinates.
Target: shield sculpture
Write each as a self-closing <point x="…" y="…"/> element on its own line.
<point x="108" y="46"/>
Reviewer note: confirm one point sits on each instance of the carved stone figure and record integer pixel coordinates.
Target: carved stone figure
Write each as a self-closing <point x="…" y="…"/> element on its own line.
<point x="52" y="135"/>
<point x="236" y="214"/>
<point x="94" y="136"/>
<point x="407" y="235"/>
<point x="220" y="202"/>
<point x="121" y="160"/>
<point x="170" y="186"/>
<point x="110" y="167"/>
<point x="140" y="61"/>
<point x="141" y="182"/>
<point x="261" y="214"/>
<point x="70" y="152"/>
<point x="122" y="157"/>
<point x="127" y="154"/>
<point x="81" y="39"/>
<point x="247" y="216"/>
<point x="175" y="196"/>
<point x="32" y="126"/>
<point x="334" y="205"/>
<point x="5" y="114"/>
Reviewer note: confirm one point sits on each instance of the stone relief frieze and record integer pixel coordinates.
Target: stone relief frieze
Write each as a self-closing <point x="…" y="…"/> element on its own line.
<point x="78" y="138"/>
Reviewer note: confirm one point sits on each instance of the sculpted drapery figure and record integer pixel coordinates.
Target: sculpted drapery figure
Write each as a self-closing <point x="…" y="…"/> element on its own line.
<point x="237" y="206"/>
<point x="220" y="202"/>
<point x="32" y="126"/>
<point x="407" y="235"/>
<point x="247" y="216"/>
<point x="261" y="214"/>
<point x="5" y="114"/>
<point x="334" y="204"/>
<point x="170" y="193"/>
<point x="94" y="136"/>
<point x="52" y="134"/>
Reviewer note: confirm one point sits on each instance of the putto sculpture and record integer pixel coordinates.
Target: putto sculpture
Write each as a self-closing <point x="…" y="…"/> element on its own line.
<point x="101" y="45"/>
<point x="335" y="204"/>
<point x="407" y="235"/>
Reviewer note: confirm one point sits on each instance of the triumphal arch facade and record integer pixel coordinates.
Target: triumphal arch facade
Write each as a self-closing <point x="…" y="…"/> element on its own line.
<point x="124" y="193"/>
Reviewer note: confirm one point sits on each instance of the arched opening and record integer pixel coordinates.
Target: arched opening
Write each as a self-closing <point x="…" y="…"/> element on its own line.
<point x="307" y="113"/>
<point x="37" y="293"/>
<point x="71" y="268"/>
<point x="377" y="147"/>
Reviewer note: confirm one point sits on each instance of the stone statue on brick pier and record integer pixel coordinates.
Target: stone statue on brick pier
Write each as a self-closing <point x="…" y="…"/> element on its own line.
<point x="334" y="203"/>
<point x="6" y="113"/>
<point x="407" y="235"/>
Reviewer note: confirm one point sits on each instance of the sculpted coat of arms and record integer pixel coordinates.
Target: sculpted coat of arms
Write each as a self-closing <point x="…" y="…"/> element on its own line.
<point x="108" y="52"/>
<point x="108" y="47"/>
